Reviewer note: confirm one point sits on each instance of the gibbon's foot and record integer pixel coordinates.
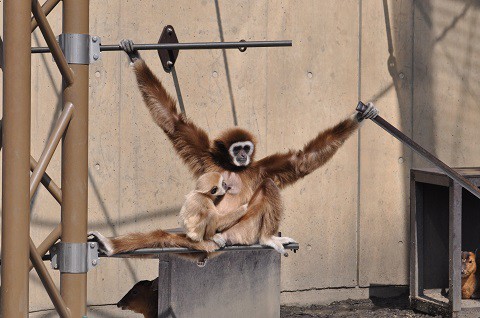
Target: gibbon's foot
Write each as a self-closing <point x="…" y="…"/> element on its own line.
<point x="127" y="46"/>
<point x="275" y="243"/>
<point x="285" y="240"/>
<point x="104" y="243"/>
<point x="369" y="113"/>
<point x="218" y="238"/>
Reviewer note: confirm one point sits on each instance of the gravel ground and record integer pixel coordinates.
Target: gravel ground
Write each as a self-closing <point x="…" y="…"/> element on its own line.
<point x="374" y="307"/>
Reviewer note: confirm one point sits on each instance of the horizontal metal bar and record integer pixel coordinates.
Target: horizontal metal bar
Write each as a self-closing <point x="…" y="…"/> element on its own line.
<point x="188" y="46"/>
<point x="232" y="248"/>
<point x="179" y="250"/>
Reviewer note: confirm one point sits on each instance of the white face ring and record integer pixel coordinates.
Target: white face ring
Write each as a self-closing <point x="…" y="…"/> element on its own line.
<point x="241" y="144"/>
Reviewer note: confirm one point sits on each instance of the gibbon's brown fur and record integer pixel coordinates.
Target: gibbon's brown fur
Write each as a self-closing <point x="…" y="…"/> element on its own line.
<point x="256" y="183"/>
<point x="142" y="298"/>
<point x="469" y="276"/>
<point x="157" y="238"/>
<point x="199" y="215"/>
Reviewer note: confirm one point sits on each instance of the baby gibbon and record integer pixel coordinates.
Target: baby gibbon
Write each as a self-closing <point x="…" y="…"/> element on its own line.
<point x="199" y="215"/>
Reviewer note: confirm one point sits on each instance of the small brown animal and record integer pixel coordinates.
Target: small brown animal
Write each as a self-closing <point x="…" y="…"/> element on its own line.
<point x="199" y="215"/>
<point x="142" y="298"/>
<point x="469" y="276"/>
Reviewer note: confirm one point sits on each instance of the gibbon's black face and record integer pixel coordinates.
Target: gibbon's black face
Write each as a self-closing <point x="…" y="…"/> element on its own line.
<point x="234" y="149"/>
<point x="240" y="153"/>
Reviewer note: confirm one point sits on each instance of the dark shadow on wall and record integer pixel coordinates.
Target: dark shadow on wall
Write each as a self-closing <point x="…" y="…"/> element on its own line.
<point x="440" y="27"/>
<point x="225" y="61"/>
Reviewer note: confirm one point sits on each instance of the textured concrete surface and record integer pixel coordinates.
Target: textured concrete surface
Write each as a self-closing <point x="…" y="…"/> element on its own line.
<point x="233" y="284"/>
<point x="351" y="216"/>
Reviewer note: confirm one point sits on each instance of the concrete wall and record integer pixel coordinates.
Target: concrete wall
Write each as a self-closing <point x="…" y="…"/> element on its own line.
<point x="418" y="60"/>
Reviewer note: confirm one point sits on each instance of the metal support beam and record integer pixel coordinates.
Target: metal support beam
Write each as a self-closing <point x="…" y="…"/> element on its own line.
<point x="73" y="287"/>
<point x="15" y="160"/>
<point x="455" y="246"/>
<point x="50" y="147"/>
<point x="52" y="42"/>
<point x="188" y="46"/>
<point x="47" y="7"/>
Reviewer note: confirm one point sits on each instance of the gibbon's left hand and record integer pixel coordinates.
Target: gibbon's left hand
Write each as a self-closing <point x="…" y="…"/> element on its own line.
<point x="369" y="113"/>
<point x="127" y="46"/>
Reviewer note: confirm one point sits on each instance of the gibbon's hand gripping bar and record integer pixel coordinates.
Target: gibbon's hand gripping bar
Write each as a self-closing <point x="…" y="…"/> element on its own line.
<point x="361" y="107"/>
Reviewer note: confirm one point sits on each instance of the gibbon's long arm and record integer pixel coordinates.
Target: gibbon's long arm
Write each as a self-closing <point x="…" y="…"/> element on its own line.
<point x="286" y="168"/>
<point x="190" y="142"/>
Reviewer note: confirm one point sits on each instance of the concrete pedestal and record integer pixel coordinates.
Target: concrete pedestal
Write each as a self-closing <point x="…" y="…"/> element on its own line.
<point x="234" y="284"/>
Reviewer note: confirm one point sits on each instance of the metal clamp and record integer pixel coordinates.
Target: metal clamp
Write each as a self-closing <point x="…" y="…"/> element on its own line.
<point x="74" y="257"/>
<point x="80" y="48"/>
<point x="168" y="57"/>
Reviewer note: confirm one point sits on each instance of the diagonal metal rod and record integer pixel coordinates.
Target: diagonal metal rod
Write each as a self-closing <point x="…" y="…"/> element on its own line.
<point x="188" y="46"/>
<point x="50" y="147"/>
<point x="48" y="283"/>
<point x="37" y="176"/>
<point x="47" y="7"/>
<point x="469" y="186"/>
<point x="51" y="238"/>
<point x="52" y="43"/>
<point x="55" y="191"/>
<point x="49" y="184"/>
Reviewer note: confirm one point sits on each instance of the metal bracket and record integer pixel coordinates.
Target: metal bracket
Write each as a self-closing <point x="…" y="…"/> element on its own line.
<point x="74" y="257"/>
<point x="168" y="57"/>
<point x="80" y="48"/>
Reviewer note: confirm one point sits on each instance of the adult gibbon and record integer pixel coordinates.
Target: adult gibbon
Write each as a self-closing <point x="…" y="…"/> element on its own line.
<point x="256" y="183"/>
<point x="199" y="215"/>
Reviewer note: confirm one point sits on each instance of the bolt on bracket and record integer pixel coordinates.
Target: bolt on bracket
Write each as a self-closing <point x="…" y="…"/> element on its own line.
<point x="80" y="48"/>
<point x="74" y="257"/>
<point x="168" y="57"/>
